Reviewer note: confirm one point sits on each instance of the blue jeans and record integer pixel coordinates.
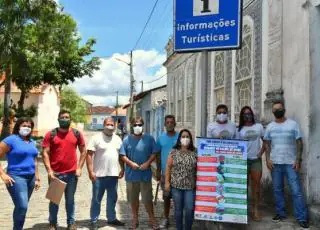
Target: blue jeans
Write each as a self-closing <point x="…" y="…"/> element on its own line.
<point x="278" y="173"/>
<point x="71" y="180"/>
<point x="102" y="184"/>
<point x="183" y="201"/>
<point x="20" y="193"/>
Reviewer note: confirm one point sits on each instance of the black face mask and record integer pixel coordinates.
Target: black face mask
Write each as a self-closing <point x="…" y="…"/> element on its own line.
<point x="279" y="113"/>
<point x="247" y="117"/>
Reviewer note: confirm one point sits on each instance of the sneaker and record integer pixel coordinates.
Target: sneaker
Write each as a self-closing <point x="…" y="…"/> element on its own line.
<point x="116" y="222"/>
<point x="52" y="227"/>
<point x="164" y="223"/>
<point x="94" y="226"/>
<point x="72" y="227"/>
<point x="304" y="224"/>
<point x="278" y="218"/>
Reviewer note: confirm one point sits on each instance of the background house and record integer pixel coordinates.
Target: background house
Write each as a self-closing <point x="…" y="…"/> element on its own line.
<point x="151" y="106"/>
<point x="46" y="99"/>
<point x="98" y="114"/>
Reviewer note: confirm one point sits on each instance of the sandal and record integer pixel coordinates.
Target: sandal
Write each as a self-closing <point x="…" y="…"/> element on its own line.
<point x="134" y="225"/>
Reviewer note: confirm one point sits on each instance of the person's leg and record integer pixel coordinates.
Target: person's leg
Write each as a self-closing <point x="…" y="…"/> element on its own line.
<point x="19" y="193"/>
<point x="256" y="175"/>
<point x="177" y="196"/>
<point x="112" y="197"/>
<point x="147" y="199"/>
<point x="98" y="188"/>
<point x="300" y="209"/>
<point x="188" y="201"/>
<point x="278" y="189"/>
<point x="166" y="199"/>
<point x="70" y="191"/>
<point x="133" y="191"/>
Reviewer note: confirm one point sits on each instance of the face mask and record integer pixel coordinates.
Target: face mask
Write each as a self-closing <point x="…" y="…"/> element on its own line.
<point x="64" y="124"/>
<point x="222" y="117"/>
<point x="279" y="113"/>
<point x="137" y="130"/>
<point x="108" y="130"/>
<point x="185" y="141"/>
<point x="24" y="131"/>
<point x="247" y="117"/>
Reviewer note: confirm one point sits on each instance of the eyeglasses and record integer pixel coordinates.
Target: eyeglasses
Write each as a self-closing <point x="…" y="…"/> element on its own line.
<point x="136" y="125"/>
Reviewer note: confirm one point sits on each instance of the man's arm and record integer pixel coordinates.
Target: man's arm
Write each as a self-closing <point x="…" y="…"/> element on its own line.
<point x="267" y="145"/>
<point x="89" y="160"/>
<point x="297" y="164"/>
<point x="46" y="161"/>
<point x="83" y="155"/>
<point x="168" y="173"/>
<point x="147" y="164"/>
<point x="121" y="174"/>
<point x="128" y="162"/>
<point x="158" y="161"/>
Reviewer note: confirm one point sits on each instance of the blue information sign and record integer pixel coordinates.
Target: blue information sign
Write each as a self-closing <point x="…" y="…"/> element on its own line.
<point x="207" y="25"/>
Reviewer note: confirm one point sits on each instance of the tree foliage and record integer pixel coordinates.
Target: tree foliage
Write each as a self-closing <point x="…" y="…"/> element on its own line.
<point x="71" y="101"/>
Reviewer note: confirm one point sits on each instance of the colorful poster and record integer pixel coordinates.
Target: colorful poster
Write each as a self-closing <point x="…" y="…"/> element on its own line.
<point x="221" y="193"/>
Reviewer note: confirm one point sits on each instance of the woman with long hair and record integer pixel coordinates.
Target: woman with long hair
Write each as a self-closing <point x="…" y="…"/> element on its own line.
<point x="22" y="172"/>
<point x="252" y="132"/>
<point x="181" y="179"/>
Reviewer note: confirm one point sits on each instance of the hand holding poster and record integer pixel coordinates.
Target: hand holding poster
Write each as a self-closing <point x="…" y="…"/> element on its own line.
<point x="221" y="193"/>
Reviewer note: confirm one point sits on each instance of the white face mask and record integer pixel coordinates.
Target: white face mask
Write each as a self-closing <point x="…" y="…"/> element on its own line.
<point x="137" y="130"/>
<point x="222" y="117"/>
<point x="108" y="130"/>
<point x="24" y="131"/>
<point x="185" y="141"/>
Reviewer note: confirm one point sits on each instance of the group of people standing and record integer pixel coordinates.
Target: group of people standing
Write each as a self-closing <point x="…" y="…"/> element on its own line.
<point x="108" y="159"/>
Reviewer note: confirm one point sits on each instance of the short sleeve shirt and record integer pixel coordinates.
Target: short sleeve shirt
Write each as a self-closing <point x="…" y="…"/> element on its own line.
<point x="283" y="138"/>
<point x="253" y="134"/>
<point x="63" y="151"/>
<point x="139" y="151"/>
<point x="21" y="156"/>
<point x="165" y="144"/>
<point x="106" y="154"/>
<point x="225" y="131"/>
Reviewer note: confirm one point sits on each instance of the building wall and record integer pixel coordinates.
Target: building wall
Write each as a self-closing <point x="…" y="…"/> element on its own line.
<point x="48" y="109"/>
<point x="99" y="118"/>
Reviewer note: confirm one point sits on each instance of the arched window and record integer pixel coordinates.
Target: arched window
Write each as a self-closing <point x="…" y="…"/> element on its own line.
<point x="244" y="69"/>
<point x="219" y="76"/>
<point x="190" y="74"/>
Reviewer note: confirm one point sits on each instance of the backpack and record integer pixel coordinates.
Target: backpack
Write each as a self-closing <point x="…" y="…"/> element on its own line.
<point x="76" y="133"/>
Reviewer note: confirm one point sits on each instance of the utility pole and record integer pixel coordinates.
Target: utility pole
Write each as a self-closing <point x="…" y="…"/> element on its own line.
<point x="117" y="103"/>
<point x="141" y="86"/>
<point x="131" y="85"/>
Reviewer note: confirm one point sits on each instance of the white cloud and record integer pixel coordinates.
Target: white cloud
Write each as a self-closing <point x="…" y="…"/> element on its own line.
<point x="114" y="75"/>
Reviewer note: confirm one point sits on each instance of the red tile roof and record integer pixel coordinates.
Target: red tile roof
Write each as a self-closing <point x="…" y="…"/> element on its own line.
<point x="102" y="110"/>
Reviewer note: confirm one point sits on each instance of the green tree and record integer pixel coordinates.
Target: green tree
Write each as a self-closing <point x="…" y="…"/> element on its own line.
<point x="72" y="101"/>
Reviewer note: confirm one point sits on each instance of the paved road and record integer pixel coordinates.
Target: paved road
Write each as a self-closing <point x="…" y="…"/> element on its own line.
<point x="38" y="210"/>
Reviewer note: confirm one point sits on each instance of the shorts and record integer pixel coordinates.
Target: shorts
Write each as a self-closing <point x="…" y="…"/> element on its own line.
<point x="165" y="195"/>
<point x="135" y="188"/>
<point x="255" y="165"/>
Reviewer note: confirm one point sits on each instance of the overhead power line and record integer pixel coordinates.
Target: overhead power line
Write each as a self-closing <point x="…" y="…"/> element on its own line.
<point x="145" y="26"/>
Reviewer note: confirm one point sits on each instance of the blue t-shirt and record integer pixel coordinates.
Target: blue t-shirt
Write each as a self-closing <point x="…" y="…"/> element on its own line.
<point x="139" y="151"/>
<point x="165" y="144"/>
<point x="20" y="156"/>
<point x="283" y="138"/>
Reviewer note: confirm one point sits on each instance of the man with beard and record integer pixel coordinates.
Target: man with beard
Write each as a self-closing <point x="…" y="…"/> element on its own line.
<point x="284" y="155"/>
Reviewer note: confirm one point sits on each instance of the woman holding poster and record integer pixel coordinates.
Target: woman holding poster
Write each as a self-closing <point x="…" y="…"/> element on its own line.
<point x="181" y="179"/>
<point x="253" y="132"/>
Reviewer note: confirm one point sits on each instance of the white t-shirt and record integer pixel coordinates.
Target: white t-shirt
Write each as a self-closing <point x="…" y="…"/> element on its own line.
<point x="226" y="131"/>
<point x="253" y="134"/>
<point x="106" y="154"/>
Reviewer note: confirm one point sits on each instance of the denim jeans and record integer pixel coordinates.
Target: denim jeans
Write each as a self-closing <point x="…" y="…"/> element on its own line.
<point x="70" y="190"/>
<point x="20" y="193"/>
<point x="183" y="201"/>
<point x="102" y="184"/>
<point x="278" y="173"/>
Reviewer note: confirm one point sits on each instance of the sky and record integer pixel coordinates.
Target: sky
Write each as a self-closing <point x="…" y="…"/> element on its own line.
<point x="117" y="25"/>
